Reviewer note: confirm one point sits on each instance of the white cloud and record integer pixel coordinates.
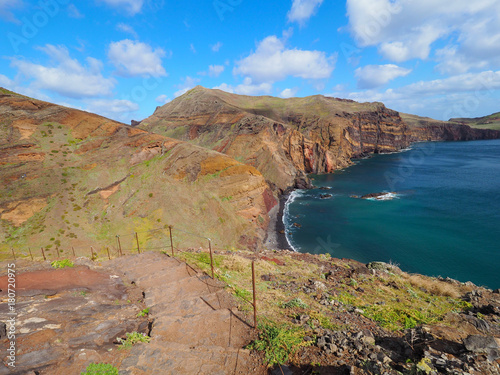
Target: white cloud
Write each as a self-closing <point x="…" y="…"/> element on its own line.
<point x="191" y="47"/>
<point x="73" y="12"/>
<point x="136" y="58"/>
<point x="20" y="88"/>
<point x="6" y="7"/>
<point x="215" y="70"/>
<point x="163" y="99"/>
<point x="464" y="95"/>
<point x="289" y="93"/>
<point x="216" y="47"/>
<point x="117" y="109"/>
<point x="302" y="10"/>
<point x="247" y="88"/>
<point x="6" y="82"/>
<point x="127" y="29"/>
<point x="224" y="87"/>
<point x="407" y="29"/>
<point x="273" y="62"/>
<point x="66" y="76"/>
<point x="372" y="76"/>
<point x="188" y="84"/>
<point x="132" y="7"/>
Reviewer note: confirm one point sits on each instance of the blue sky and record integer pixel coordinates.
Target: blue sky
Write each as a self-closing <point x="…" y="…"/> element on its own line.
<point x="123" y="58"/>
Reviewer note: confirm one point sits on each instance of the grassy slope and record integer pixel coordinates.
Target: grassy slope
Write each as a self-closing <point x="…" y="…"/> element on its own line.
<point x="156" y="191"/>
<point x="487" y="122"/>
<point x="358" y="300"/>
<point x="268" y="106"/>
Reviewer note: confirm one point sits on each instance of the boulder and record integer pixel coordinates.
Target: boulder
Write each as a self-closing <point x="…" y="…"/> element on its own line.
<point x="480" y="344"/>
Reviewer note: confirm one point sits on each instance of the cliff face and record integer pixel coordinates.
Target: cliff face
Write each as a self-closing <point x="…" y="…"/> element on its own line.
<point x="287" y="138"/>
<point x="283" y="138"/>
<point x="71" y="178"/>
<point x="426" y="129"/>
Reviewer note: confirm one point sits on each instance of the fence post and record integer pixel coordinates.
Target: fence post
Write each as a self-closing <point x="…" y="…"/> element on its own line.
<point x="211" y="257"/>
<point x="171" y="242"/>
<point x="137" y="240"/>
<point x="57" y="251"/>
<point x="91" y="253"/>
<point x="109" y="256"/>
<point x="31" y="255"/>
<point x="13" y="253"/>
<point x="119" y="245"/>
<point x="73" y="249"/>
<point x="43" y="253"/>
<point x="254" y="296"/>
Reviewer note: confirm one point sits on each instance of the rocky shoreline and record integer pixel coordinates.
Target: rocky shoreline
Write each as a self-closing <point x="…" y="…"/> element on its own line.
<point x="275" y="236"/>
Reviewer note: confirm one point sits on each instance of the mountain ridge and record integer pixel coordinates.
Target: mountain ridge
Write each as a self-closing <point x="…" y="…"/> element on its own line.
<point x="71" y="178"/>
<point x="285" y="139"/>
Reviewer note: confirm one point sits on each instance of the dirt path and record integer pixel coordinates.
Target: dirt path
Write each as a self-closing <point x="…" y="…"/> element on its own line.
<point x="196" y="327"/>
<point x="69" y="318"/>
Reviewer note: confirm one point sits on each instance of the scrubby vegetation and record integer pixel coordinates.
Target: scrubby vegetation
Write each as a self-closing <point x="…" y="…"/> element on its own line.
<point x="133" y="338"/>
<point x="100" y="369"/>
<point x="62" y="263"/>
<point x="300" y="295"/>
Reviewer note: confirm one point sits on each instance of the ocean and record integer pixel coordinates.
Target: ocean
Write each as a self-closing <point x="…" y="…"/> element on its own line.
<point x="440" y="215"/>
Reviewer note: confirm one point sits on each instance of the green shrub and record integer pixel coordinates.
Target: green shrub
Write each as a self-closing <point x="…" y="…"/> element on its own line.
<point x="100" y="369"/>
<point x="62" y="263"/>
<point x="296" y="302"/>
<point x="278" y="342"/>
<point x="133" y="338"/>
<point x="143" y="313"/>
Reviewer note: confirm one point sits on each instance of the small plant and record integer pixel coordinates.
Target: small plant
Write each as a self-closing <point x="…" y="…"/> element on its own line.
<point x="278" y="342"/>
<point x="62" y="263"/>
<point x="242" y="293"/>
<point x="143" y="313"/>
<point x="133" y="338"/>
<point x="296" y="302"/>
<point x="100" y="369"/>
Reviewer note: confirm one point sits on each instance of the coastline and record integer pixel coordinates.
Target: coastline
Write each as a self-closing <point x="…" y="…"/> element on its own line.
<point x="275" y="237"/>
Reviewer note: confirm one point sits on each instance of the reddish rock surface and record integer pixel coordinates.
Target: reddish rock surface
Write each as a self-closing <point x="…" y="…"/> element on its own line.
<point x="69" y="318"/>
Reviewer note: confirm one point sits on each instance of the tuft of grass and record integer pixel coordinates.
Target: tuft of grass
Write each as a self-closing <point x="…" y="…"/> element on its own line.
<point x="62" y="263"/>
<point x="143" y="313"/>
<point x="437" y="287"/>
<point x="296" y="302"/>
<point x="278" y="342"/>
<point x="100" y="369"/>
<point x="133" y="338"/>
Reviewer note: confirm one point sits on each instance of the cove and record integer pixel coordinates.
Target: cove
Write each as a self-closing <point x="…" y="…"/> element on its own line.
<point x="443" y="219"/>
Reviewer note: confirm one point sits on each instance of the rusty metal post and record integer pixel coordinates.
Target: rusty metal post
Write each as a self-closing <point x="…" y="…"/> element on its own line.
<point x="137" y="240"/>
<point x="119" y="245"/>
<point x="73" y="249"/>
<point x="109" y="255"/>
<point x="171" y="242"/>
<point x="13" y="253"/>
<point x="57" y="251"/>
<point x="254" y="296"/>
<point x="91" y="253"/>
<point x="31" y="255"/>
<point x="211" y="257"/>
<point x="43" y="253"/>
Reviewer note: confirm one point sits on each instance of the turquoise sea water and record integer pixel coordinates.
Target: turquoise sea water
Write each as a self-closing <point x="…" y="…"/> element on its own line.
<point x="444" y="220"/>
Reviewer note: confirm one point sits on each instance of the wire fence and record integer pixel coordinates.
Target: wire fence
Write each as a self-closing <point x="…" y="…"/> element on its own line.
<point x="166" y="239"/>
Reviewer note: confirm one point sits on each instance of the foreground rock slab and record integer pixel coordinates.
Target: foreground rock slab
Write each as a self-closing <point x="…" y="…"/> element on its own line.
<point x="69" y="318"/>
